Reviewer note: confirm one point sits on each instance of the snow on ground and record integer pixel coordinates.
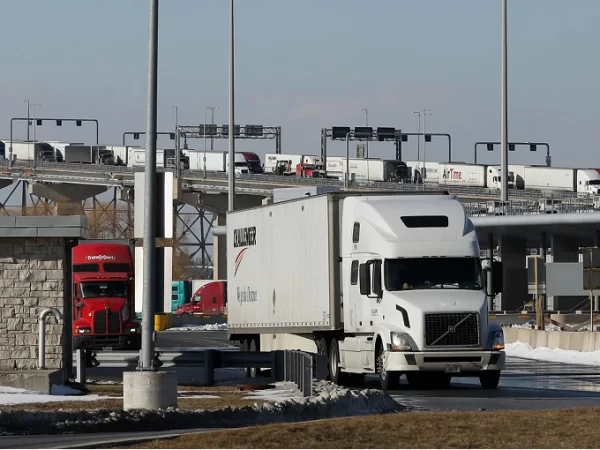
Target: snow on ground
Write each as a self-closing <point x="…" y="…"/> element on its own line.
<point x="523" y="350"/>
<point x="16" y="396"/>
<point x="531" y="325"/>
<point x="210" y="327"/>
<point x="328" y="401"/>
<point x="284" y="390"/>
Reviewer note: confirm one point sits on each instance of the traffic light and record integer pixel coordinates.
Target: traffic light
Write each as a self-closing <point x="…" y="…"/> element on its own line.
<point x="384" y="133"/>
<point x="172" y="136"/>
<point x="339" y="132"/>
<point x="490" y="147"/>
<point x="511" y="147"/>
<point x="136" y="136"/>
<point x="427" y="138"/>
<point x="532" y="147"/>
<point x="59" y="123"/>
<point x="78" y="123"/>
<point x="363" y="133"/>
<point x="404" y="138"/>
<point x="39" y="122"/>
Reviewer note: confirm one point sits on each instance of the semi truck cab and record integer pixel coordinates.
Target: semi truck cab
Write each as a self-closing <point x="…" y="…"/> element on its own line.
<point x="103" y="310"/>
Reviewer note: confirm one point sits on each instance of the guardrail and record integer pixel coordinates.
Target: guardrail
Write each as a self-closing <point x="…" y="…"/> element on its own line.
<point x="285" y="365"/>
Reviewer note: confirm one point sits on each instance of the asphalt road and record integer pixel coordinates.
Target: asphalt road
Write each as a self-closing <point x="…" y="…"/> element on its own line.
<point x="525" y="384"/>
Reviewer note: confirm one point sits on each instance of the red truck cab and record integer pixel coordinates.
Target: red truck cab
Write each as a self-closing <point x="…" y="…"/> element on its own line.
<point x="210" y="299"/>
<point x="103" y="297"/>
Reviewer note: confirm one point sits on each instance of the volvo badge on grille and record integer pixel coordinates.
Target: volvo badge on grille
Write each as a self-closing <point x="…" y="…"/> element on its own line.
<point x="451" y="329"/>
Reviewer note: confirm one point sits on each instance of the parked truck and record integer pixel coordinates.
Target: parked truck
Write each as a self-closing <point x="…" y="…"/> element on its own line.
<point x="88" y="154"/>
<point x="584" y="181"/>
<point x="103" y="297"/>
<point x="368" y="169"/>
<point x="381" y="283"/>
<point x="474" y="175"/>
<point x="24" y="151"/>
<point x="245" y="162"/>
<point x="209" y="299"/>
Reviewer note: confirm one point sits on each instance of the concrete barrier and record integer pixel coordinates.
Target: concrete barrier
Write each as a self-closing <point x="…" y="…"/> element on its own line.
<point x="580" y="341"/>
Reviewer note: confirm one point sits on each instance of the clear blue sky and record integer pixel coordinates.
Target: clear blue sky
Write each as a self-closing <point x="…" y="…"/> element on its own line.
<point x="308" y="64"/>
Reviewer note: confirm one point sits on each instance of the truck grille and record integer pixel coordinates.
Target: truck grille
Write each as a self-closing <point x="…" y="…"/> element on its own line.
<point x="100" y="322"/>
<point x="464" y="335"/>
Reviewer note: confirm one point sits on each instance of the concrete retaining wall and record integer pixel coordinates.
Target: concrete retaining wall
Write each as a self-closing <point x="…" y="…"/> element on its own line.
<point x="581" y="341"/>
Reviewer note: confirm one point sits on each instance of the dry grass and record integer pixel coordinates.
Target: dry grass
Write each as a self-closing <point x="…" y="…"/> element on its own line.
<point x="228" y="396"/>
<point x="572" y="428"/>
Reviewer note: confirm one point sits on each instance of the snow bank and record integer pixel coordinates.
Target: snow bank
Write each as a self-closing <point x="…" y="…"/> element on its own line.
<point x="531" y="325"/>
<point x="329" y="401"/>
<point x="522" y="350"/>
<point x="17" y="396"/>
<point x="210" y="327"/>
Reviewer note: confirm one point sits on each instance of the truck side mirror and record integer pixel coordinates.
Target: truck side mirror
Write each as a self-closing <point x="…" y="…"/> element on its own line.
<point x="497" y="277"/>
<point x="377" y="288"/>
<point x="365" y="280"/>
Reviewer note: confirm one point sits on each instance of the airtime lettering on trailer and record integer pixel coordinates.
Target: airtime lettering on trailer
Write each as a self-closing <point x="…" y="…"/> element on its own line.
<point x="245" y="238"/>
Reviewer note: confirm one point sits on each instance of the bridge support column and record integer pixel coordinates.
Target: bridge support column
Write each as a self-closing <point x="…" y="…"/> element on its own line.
<point x="565" y="250"/>
<point x="513" y="254"/>
<point x="220" y="251"/>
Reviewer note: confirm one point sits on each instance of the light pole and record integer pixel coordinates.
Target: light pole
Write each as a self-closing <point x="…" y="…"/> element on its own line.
<point x="426" y="113"/>
<point x="212" y="108"/>
<point x="146" y="360"/>
<point x="34" y="123"/>
<point x="212" y="122"/>
<point x="366" y="110"/>
<point x="177" y="157"/>
<point x="504" y="108"/>
<point x="347" y="180"/>
<point x="231" y="196"/>
<point x="28" y="121"/>
<point x="418" y="136"/>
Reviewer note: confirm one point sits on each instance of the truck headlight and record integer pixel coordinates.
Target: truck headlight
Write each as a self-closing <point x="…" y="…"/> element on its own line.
<point x="498" y="340"/>
<point x="132" y="330"/>
<point x="83" y="330"/>
<point x="400" y="342"/>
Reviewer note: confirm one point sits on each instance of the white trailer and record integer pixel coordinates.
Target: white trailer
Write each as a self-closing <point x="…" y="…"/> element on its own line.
<point x="24" y="150"/>
<point x="382" y="283"/>
<point x="60" y="148"/>
<point x="368" y="169"/>
<point x="475" y="175"/>
<point x="164" y="158"/>
<point x="424" y="171"/>
<point x="550" y="178"/>
<point x="215" y="161"/>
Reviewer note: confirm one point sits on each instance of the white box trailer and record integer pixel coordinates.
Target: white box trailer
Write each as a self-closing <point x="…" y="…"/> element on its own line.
<point x="24" y="150"/>
<point x="215" y="161"/>
<point x="385" y="283"/>
<point x="420" y="168"/>
<point x="473" y="175"/>
<point x="368" y="169"/>
<point x="550" y="178"/>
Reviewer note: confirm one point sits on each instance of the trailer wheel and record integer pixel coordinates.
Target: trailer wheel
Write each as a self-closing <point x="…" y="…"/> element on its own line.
<point x="254" y="371"/>
<point x="244" y="348"/>
<point x="490" y="379"/>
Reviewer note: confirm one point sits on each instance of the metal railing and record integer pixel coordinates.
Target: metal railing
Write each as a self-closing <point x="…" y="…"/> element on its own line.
<point x="286" y="365"/>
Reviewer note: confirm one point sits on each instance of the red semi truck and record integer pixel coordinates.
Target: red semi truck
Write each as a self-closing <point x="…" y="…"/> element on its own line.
<point x="103" y="297"/>
<point x="209" y="299"/>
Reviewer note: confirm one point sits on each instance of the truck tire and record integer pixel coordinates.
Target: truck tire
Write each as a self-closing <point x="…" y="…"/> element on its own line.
<point x="323" y="350"/>
<point x="490" y="379"/>
<point x="254" y="371"/>
<point x="335" y="373"/>
<point x="388" y="380"/>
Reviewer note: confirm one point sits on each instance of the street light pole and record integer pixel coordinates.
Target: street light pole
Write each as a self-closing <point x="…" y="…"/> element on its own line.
<point x="504" y="107"/>
<point x="177" y="157"/>
<point x="426" y="113"/>
<point x="204" y="133"/>
<point x="366" y="110"/>
<point x="212" y="122"/>
<point x="347" y="180"/>
<point x="146" y="361"/>
<point x="231" y="196"/>
<point x="418" y="136"/>
<point x="28" y="121"/>
<point x="34" y="123"/>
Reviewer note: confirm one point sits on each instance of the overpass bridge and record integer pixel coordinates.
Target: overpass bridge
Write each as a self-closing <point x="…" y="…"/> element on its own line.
<point x="45" y="188"/>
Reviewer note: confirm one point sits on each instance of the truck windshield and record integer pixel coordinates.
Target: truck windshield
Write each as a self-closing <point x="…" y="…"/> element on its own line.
<point x="104" y="289"/>
<point x="594" y="182"/>
<point x="432" y="273"/>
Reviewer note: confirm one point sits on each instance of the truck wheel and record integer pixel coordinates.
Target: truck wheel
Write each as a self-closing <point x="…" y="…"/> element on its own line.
<point x="244" y="348"/>
<point x="323" y="350"/>
<point x="335" y="373"/>
<point x="254" y="371"/>
<point x="388" y="380"/>
<point x="490" y="379"/>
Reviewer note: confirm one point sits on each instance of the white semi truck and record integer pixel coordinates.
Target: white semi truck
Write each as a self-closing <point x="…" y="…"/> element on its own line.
<point x="381" y="283"/>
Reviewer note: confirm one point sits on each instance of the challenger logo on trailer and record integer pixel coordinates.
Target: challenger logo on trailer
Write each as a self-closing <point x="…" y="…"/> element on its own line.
<point x="243" y="237"/>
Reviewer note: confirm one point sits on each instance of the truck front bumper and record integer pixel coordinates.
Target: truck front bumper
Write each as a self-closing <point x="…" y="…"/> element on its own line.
<point x="456" y="363"/>
<point x="107" y="343"/>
